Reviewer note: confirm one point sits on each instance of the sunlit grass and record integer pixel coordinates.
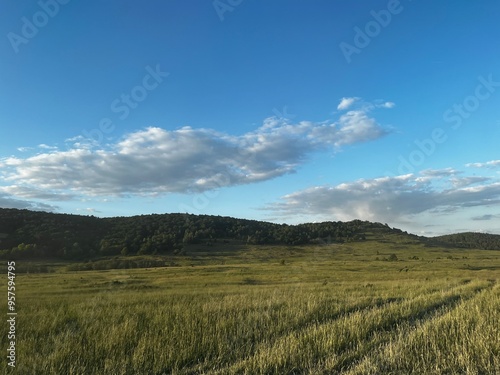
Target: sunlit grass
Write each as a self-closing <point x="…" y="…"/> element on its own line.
<point x="268" y="310"/>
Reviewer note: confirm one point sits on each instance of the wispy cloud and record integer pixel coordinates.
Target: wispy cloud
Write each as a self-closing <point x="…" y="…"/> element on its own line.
<point x="30" y="192"/>
<point x="345" y="103"/>
<point x="362" y="105"/>
<point x="446" y="172"/>
<point x="89" y="210"/>
<point x="41" y="146"/>
<point x="47" y="147"/>
<point x="467" y="181"/>
<point x="187" y="160"/>
<point x="24" y="149"/>
<point x="9" y="201"/>
<point x="488" y="164"/>
<point x="486" y="217"/>
<point x="388" y="105"/>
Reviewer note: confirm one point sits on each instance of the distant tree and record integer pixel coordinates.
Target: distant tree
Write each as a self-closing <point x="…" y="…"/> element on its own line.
<point x="392" y="258"/>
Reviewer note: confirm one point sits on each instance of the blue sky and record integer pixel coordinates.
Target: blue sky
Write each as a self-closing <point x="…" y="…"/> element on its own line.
<point x="286" y="111"/>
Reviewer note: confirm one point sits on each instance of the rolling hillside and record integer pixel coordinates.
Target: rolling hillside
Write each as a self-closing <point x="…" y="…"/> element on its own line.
<point x="471" y="240"/>
<point x="32" y="234"/>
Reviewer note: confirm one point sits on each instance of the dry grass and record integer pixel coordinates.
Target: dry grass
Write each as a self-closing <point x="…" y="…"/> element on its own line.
<point x="325" y="310"/>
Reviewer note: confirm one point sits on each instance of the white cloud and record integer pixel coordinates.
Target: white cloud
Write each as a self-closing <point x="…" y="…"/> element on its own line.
<point x="467" y="181"/>
<point x="34" y="193"/>
<point x="388" y="199"/>
<point x="186" y="160"/>
<point x="388" y="105"/>
<point x="47" y="147"/>
<point x="345" y="103"/>
<point x="446" y="172"/>
<point x="89" y="210"/>
<point x="42" y="146"/>
<point x="24" y="149"/>
<point x="488" y="164"/>
<point x="352" y="127"/>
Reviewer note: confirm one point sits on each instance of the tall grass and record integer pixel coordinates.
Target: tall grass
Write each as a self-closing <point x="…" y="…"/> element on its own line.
<point x="334" y="313"/>
<point x="464" y="340"/>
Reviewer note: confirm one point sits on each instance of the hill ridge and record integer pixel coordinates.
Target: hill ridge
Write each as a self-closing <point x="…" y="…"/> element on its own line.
<point x="37" y="234"/>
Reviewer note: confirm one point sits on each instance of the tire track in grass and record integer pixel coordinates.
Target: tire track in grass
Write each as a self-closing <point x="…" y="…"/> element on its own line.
<point x="313" y="318"/>
<point x="219" y="359"/>
<point x="384" y="336"/>
<point x="382" y="317"/>
<point x="347" y="335"/>
<point x="456" y="327"/>
<point x="380" y="335"/>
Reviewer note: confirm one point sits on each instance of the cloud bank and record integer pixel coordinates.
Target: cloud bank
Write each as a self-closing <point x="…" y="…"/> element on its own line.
<point x="393" y="199"/>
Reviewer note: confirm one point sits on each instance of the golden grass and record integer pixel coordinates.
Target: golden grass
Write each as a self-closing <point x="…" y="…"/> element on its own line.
<point x="324" y="310"/>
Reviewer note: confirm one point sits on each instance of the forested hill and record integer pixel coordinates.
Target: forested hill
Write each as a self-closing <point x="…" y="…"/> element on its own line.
<point x="34" y="234"/>
<point x="472" y="240"/>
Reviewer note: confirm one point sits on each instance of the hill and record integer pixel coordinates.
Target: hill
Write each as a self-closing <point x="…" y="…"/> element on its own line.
<point x="35" y="234"/>
<point x="470" y="240"/>
<point x="28" y="234"/>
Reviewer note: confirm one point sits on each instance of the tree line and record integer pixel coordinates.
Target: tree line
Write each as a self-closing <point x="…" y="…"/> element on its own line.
<point x="35" y="234"/>
<point x="26" y="234"/>
<point x="471" y="240"/>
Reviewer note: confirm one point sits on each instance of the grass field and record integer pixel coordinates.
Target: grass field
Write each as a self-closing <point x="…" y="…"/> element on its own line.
<point x="233" y="309"/>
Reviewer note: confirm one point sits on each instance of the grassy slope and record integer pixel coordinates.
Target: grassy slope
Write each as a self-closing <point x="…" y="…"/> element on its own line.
<point x="234" y="308"/>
